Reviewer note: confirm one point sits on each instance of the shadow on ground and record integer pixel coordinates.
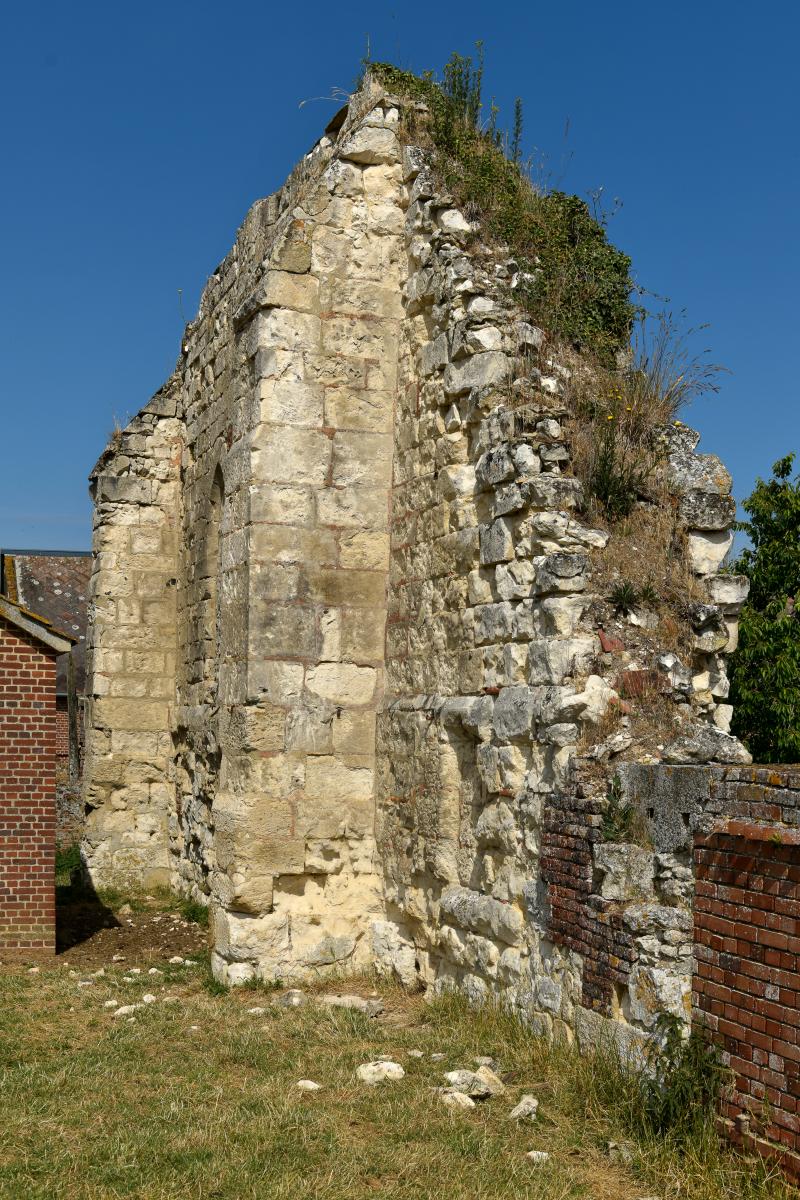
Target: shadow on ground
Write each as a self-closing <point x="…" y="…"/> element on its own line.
<point x="80" y="913"/>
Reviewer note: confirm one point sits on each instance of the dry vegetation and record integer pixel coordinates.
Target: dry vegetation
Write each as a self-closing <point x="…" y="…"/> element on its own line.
<point x="196" y="1099"/>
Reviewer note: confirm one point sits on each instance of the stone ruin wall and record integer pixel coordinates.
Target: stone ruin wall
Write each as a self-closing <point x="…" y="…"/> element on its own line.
<point x="349" y="519"/>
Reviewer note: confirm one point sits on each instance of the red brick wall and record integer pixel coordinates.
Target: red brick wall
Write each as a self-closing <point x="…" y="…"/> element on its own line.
<point x="746" y="986"/>
<point x="27" y="793"/>
<point x="580" y="920"/>
<point x="62" y="727"/>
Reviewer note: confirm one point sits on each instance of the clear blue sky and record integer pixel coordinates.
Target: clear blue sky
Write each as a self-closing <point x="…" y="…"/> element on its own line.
<point x="134" y="138"/>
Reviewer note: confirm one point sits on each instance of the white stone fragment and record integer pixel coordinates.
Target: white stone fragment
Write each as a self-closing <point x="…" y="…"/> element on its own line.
<point x="308" y="1085"/>
<point x="379" y="1071"/>
<point x="125" y="1010"/>
<point x="525" y="1110"/>
<point x="538" y="1157"/>
<point x="454" y="1099"/>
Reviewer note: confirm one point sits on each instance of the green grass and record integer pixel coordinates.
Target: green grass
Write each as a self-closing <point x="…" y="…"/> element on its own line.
<point x="94" y="1108"/>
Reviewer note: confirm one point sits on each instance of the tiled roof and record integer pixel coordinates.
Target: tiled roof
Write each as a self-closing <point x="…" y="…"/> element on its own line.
<point x="53" y="585"/>
<point x="36" y="627"/>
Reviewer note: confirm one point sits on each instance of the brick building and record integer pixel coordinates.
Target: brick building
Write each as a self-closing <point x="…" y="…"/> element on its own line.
<point x="29" y="649"/>
<point x="55" y="584"/>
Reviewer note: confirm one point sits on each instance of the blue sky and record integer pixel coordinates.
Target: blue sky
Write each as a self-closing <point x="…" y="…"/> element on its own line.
<point x="135" y="138"/>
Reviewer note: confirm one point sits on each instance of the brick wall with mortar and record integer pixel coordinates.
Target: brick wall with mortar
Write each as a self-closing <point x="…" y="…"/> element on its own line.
<point x="27" y="793"/>
<point x="341" y="677"/>
<point x="746" y="985"/>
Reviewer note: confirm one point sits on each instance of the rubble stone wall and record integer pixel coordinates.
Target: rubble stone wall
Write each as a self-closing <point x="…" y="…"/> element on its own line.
<point x="353" y="682"/>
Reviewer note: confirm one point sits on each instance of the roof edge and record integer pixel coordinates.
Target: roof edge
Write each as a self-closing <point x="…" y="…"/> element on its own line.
<point x="36" y="626"/>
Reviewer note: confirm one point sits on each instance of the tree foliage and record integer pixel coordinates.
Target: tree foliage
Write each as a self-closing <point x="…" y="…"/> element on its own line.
<point x="765" y="687"/>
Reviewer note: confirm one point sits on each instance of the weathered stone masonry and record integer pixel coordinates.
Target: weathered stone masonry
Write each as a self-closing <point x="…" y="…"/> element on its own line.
<point x="345" y="649"/>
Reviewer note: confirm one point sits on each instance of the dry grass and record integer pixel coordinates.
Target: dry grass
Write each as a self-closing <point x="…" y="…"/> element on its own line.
<point x="197" y="1099"/>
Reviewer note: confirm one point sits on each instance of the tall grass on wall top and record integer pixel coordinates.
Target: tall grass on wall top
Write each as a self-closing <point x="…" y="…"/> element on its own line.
<point x="576" y="284"/>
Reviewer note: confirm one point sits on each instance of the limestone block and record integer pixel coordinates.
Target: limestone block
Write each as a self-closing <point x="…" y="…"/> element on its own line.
<point x="285" y="289"/>
<point x="496" y="542"/>
<point x="272" y="362"/>
<point x="707" y="510"/>
<point x="697" y="472"/>
<point x="358" y="337"/>
<point x="258" y="727"/>
<point x="353" y="731"/>
<point x="626" y="872"/>
<point x="352" y="294"/>
<point x="554" y="491"/>
<point x="723" y="716"/>
<point x="497" y="828"/>
<point x="705" y="743"/>
<point x="507" y="499"/>
<point x="560" y="572"/>
<point x="434" y="355"/>
<point x="559" y="615"/>
<point x="354" y="507"/>
<point x="494" y="467"/>
<point x="515" y="581"/>
<point x="282" y="504"/>
<point x="451" y="221"/>
<point x="284" y="329"/>
<point x="286" y="402"/>
<point x="393" y="954"/>
<point x="309" y="727"/>
<point x="144" y="715"/>
<point x="368" y="145"/>
<point x="494" y="622"/>
<point x="469" y="950"/>
<point x="343" y="178"/>
<point x="470" y="910"/>
<point x="513" y="713"/>
<point x="280" y="630"/>
<point x="550" y="660"/>
<point x="365" y="549"/>
<point x="364" y="630"/>
<point x="352" y="408"/>
<point x="337" y="799"/>
<point x="728" y="591"/>
<point x="361" y="458"/>
<point x="281" y="682"/>
<point x="485" y="370"/>
<point x="652" y="991"/>
<point x="342" y="683"/>
<point x="480" y="587"/>
<point x="593" y="702"/>
<point x="292" y="455"/>
<point x="457" y="481"/>
<point x="286" y="544"/>
<point x="337" y="587"/>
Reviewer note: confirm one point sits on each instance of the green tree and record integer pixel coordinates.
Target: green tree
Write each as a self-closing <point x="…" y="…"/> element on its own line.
<point x="765" y="677"/>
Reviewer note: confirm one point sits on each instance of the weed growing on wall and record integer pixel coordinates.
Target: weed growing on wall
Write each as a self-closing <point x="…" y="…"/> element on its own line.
<point x="622" y="412"/>
<point x="683" y="1086"/>
<point x="572" y="281"/>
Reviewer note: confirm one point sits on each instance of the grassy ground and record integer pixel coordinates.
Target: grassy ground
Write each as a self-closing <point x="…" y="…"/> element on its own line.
<point x="197" y="1099"/>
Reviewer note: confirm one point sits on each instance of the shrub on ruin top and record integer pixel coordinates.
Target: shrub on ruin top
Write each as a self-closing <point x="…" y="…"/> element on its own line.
<point x="572" y="280"/>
